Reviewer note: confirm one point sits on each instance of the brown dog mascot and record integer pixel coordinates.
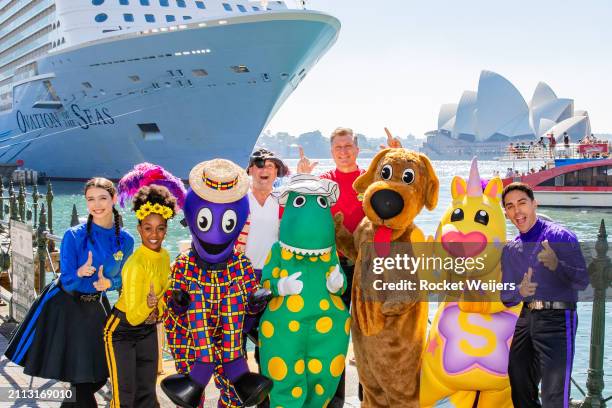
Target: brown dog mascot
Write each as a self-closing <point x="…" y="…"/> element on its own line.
<point x="388" y="334"/>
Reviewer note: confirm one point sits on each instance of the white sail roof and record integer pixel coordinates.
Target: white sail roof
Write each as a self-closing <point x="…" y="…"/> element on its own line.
<point x="498" y="109"/>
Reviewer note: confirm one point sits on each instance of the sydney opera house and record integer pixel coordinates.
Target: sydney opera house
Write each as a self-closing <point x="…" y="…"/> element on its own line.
<point x="484" y="122"/>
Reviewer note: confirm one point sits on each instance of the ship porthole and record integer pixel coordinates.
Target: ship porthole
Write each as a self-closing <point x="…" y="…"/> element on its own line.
<point x="102" y="17"/>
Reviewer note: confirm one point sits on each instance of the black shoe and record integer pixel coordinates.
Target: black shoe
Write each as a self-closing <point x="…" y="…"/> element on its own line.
<point x="182" y="390"/>
<point x="336" y="402"/>
<point x="252" y="388"/>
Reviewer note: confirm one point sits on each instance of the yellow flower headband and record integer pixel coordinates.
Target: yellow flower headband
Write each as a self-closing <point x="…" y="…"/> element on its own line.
<point x="148" y="208"/>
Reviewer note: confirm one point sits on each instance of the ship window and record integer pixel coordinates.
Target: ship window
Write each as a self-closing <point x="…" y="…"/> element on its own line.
<point x="86" y="85"/>
<point x="549" y="182"/>
<point x="239" y="69"/>
<point x="100" y="18"/>
<point x="200" y="4"/>
<point x="150" y="131"/>
<point x="149" y="18"/>
<point x="164" y="3"/>
<point x="255" y="8"/>
<point x="571" y="179"/>
<point x="144" y="2"/>
<point x="97" y="2"/>
<point x="199" y="72"/>
<point x="186" y="17"/>
<point x="227" y="7"/>
<point x="124" y="2"/>
<point x="63" y="40"/>
<point x="170" y="18"/>
<point x="241" y="8"/>
<point x="134" y="78"/>
<point x="603" y="176"/>
<point x="181" y="3"/>
<point x="585" y="177"/>
<point x="128" y="17"/>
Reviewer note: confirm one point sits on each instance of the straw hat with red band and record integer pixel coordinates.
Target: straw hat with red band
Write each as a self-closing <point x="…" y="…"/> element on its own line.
<point x="219" y="181"/>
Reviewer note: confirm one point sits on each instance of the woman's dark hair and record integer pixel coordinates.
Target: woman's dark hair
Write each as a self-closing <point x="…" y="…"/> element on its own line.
<point x="154" y="194"/>
<point x="105" y="184"/>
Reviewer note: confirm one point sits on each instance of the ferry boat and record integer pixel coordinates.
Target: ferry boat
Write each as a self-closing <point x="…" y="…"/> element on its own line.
<point x="92" y="87"/>
<point x="579" y="175"/>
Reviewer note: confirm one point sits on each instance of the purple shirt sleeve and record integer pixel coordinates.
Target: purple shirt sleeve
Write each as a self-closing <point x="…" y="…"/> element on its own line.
<point x="572" y="266"/>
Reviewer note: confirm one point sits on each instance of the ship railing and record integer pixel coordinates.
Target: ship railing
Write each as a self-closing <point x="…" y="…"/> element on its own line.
<point x="559" y="151"/>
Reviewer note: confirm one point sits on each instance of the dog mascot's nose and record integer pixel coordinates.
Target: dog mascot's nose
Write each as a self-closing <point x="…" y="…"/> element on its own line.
<point x="387" y="203"/>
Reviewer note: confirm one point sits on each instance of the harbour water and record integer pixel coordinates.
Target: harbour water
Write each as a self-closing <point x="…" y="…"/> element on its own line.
<point x="583" y="221"/>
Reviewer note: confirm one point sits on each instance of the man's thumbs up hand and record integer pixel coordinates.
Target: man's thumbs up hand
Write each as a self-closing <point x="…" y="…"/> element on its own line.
<point x="548" y="257"/>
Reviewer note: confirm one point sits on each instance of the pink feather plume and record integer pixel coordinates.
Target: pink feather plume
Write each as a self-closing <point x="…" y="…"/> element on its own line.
<point x="145" y="174"/>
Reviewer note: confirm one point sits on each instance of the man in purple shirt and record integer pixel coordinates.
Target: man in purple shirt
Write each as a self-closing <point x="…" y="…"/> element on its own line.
<point x="545" y="263"/>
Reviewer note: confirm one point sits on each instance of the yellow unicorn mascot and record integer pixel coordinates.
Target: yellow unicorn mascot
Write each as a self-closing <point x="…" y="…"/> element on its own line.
<point x="466" y="357"/>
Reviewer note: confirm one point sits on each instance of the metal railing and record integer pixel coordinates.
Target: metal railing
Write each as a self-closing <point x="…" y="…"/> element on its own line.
<point x="600" y="273"/>
<point x="546" y="153"/>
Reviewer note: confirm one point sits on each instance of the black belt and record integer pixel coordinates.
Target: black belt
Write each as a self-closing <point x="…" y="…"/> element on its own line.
<point x="87" y="297"/>
<point x="80" y="296"/>
<point x="550" y="305"/>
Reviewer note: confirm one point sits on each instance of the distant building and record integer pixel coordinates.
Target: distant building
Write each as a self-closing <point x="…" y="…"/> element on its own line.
<point x="484" y="122"/>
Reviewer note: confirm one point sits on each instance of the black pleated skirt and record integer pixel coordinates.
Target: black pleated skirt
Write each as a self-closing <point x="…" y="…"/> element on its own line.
<point x="61" y="338"/>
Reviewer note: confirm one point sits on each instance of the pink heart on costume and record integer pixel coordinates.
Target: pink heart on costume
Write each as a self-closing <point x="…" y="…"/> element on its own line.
<point x="462" y="245"/>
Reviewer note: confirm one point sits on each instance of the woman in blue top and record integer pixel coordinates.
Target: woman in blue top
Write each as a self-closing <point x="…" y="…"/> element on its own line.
<point x="61" y="337"/>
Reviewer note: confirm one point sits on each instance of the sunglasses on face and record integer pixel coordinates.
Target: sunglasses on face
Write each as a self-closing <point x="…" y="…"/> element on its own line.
<point x="259" y="163"/>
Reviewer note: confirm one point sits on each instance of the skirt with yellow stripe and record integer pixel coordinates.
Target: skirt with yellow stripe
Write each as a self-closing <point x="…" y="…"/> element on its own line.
<point x="132" y="355"/>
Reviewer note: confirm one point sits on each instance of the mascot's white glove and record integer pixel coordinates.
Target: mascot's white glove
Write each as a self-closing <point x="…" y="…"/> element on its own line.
<point x="290" y="285"/>
<point x="335" y="280"/>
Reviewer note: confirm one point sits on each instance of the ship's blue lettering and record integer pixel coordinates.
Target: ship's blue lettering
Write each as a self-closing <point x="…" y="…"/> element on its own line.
<point x="100" y="118"/>
<point x="89" y="117"/>
<point x="111" y="120"/>
<point x="76" y="110"/>
<point x="92" y="117"/>
<point x="37" y="121"/>
<point x="21" y="122"/>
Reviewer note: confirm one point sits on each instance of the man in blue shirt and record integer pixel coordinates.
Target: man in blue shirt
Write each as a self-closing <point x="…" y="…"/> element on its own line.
<point x="545" y="263"/>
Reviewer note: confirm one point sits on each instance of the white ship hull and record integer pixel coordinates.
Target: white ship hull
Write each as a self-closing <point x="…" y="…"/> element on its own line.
<point x="574" y="199"/>
<point x="123" y="100"/>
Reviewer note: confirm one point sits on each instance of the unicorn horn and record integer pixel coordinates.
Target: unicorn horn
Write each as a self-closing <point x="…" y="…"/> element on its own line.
<point x="474" y="188"/>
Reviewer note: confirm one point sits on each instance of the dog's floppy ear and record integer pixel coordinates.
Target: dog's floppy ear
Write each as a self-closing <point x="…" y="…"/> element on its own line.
<point x="362" y="182"/>
<point x="433" y="184"/>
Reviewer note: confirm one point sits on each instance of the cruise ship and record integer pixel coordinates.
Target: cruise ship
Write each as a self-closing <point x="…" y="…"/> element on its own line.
<point x="92" y="87"/>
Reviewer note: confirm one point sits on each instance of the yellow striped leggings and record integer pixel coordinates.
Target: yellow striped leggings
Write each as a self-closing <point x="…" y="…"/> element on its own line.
<point x="131" y="355"/>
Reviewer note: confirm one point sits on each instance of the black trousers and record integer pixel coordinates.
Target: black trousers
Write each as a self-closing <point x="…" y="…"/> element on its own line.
<point x="542" y="350"/>
<point x="132" y="357"/>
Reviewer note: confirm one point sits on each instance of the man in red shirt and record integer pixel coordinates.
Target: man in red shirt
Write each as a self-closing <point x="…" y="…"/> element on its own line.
<point x="344" y="150"/>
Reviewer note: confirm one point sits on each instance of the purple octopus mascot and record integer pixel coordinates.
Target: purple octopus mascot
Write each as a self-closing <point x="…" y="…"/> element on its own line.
<point x="212" y="289"/>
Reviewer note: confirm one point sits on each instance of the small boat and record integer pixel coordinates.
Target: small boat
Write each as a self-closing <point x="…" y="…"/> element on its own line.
<point x="575" y="175"/>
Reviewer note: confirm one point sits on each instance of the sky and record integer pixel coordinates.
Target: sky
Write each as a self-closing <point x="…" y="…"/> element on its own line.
<point x="397" y="61"/>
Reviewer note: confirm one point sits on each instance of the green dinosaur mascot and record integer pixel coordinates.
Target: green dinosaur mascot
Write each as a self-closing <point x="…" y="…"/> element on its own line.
<point x="304" y="330"/>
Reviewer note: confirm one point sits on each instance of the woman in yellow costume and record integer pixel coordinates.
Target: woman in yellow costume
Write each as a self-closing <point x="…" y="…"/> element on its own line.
<point x="130" y="333"/>
<point x="466" y="357"/>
